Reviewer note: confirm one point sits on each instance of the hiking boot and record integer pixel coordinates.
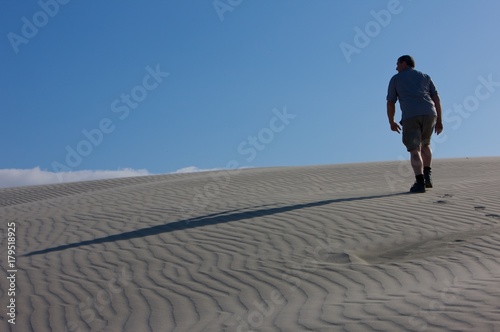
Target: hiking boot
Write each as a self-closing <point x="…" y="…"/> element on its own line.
<point x="427" y="177"/>
<point x="418" y="188"/>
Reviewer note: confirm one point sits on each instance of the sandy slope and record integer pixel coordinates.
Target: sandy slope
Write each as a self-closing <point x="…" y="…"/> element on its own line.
<point x="325" y="248"/>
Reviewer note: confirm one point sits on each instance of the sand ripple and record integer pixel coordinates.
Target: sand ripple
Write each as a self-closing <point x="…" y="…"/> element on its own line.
<point x="325" y="248"/>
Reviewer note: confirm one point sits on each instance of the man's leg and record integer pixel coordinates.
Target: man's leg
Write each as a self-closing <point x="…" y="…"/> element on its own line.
<point x="418" y="168"/>
<point x="426" y="153"/>
<point x="428" y="124"/>
<point x="427" y="159"/>
<point x="412" y="139"/>
<point x="416" y="161"/>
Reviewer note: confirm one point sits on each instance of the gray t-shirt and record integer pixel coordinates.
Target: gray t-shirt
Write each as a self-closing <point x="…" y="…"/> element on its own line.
<point x="414" y="90"/>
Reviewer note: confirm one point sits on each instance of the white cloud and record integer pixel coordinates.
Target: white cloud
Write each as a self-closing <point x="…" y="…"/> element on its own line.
<point x="194" y="169"/>
<point x="36" y="176"/>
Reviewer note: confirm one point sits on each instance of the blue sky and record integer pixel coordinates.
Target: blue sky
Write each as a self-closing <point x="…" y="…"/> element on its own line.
<point x="94" y="89"/>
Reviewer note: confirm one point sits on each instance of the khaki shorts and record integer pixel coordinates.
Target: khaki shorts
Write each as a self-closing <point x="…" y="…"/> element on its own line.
<point x="417" y="131"/>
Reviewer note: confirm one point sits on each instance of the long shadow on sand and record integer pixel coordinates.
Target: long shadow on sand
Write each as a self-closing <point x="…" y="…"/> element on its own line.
<point x="211" y="219"/>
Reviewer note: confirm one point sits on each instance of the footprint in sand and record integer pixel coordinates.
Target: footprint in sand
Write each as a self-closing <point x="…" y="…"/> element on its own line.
<point x="442" y="201"/>
<point x="344" y="258"/>
<point x="341" y="258"/>
<point x="482" y="208"/>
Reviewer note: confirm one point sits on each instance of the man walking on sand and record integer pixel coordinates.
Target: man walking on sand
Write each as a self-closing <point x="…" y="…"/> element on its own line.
<point x="421" y="115"/>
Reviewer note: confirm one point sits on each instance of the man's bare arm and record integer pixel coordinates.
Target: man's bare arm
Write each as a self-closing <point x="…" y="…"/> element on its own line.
<point x="439" y="121"/>
<point x="391" y="112"/>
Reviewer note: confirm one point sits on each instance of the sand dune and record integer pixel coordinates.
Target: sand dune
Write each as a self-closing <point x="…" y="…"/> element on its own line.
<point x="323" y="248"/>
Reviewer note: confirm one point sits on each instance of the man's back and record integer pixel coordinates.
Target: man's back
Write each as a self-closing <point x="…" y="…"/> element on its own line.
<point x="414" y="90"/>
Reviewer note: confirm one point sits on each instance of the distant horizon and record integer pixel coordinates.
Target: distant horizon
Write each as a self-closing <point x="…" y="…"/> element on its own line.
<point x="14" y="178"/>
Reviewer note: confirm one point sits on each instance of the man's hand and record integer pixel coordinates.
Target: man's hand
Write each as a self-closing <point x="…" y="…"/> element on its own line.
<point x="395" y="127"/>
<point x="438" y="128"/>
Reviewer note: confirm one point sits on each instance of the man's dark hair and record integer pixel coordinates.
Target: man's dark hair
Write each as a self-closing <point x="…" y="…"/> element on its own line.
<point x="408" y="59"/>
